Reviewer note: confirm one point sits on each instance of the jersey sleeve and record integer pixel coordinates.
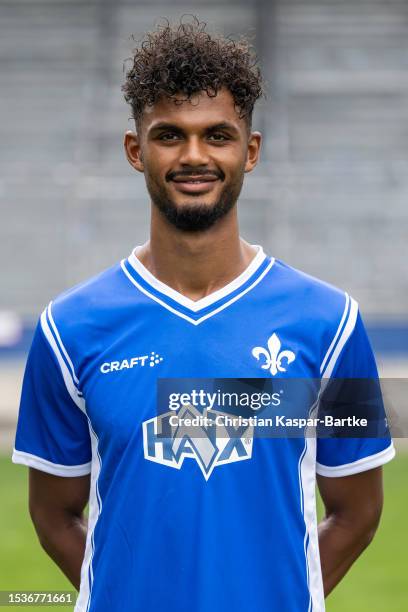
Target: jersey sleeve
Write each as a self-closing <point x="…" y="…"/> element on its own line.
<point x="343" y="456"/>
<point x="52" y="430"/>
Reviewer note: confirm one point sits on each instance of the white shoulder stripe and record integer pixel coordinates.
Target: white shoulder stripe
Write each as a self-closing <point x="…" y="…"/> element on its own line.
<point x="344" y="336"/>
<point x="66" y="374"/>
<point x="333" y="342"/>
<point x="60" y="343"/>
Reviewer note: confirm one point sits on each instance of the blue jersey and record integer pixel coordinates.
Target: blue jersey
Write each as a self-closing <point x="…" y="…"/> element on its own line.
<point x="178" y="527"/>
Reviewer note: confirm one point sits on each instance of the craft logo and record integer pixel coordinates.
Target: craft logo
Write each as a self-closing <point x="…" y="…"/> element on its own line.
<point x="151" y="360"/>
<point x="273" y="358"/>
<point x="177" y="435"/>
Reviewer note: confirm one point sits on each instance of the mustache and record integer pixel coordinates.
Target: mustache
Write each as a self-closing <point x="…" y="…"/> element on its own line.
<point x="170" y="176"/>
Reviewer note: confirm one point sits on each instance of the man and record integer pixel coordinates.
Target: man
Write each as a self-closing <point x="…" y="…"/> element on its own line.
<point x="206" y="524"/>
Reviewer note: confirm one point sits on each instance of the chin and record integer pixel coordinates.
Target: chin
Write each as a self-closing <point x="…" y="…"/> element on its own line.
<point x="196" y="203"/>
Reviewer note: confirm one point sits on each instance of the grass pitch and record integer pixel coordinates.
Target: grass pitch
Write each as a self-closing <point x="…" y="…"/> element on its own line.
<point x="376" y="582"/>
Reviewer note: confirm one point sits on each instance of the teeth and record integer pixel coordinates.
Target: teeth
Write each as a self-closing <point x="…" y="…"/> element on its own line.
<point x="194" y="181"/>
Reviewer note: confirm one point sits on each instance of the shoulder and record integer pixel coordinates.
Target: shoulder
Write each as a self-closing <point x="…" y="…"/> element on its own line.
<point x="314" y="297"/>
<point x="90" y="298"/>
<point x="74" y="319"/>
<point x="322" y="313"/>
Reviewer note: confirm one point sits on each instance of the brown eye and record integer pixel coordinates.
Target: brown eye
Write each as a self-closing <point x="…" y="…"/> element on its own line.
<point x="218" y="137"/>
<point x="168" y="136"/>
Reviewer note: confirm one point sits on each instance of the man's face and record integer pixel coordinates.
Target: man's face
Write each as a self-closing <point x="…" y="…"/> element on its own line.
<point x="194" y="155"/>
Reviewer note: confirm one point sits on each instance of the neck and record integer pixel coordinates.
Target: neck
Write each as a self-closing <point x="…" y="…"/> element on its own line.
<point x="196" y="264"/>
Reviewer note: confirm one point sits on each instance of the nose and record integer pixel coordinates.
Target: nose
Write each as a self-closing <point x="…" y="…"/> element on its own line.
<point x="194" y="153"/>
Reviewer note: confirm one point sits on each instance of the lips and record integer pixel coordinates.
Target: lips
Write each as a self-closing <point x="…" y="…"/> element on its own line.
<point x="195" y="178"/>
<point x="195" y="183"/>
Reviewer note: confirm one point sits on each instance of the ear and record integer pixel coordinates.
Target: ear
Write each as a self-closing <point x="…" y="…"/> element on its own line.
<point x="253" y="151"/>
<point x="133" y="150"/>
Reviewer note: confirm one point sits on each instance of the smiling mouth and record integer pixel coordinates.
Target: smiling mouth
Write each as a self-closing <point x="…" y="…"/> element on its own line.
<point x="194" y="184"/>
<point x="194" y="181"/>
<point x="195" y="178"/>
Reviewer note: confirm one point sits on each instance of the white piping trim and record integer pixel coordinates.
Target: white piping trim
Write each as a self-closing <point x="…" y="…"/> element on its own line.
<point x="84" y="597"/>
<point x="315" y="580"/>
<point x="193" y="305"/>
<point x="57" y="469"/>
<point x="355" y="467"/>
<point x="210" y="314"/>
<point x="66" y="374"/>
<point x="346" y="333"/>
<point x="312" y="555"/>
<point x="300" y="479"/>
<point x="61" y="345"/>
<point x="329" y="350"/>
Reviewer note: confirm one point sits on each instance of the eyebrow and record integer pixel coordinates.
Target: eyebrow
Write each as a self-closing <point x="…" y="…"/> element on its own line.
<point x="163" y="125"/>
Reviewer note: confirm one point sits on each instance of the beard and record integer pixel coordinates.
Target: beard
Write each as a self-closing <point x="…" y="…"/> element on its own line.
<point x="199" y="216"/>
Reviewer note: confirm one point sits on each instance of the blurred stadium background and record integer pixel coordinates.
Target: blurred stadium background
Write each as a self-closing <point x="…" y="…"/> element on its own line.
<point x="329" y="197"/>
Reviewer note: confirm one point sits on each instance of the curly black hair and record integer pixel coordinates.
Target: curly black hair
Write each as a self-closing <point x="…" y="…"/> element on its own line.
<point x="185" y="59"/>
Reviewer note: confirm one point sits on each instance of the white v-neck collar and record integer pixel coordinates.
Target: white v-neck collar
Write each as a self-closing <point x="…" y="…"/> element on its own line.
<point x="213" y="297"/>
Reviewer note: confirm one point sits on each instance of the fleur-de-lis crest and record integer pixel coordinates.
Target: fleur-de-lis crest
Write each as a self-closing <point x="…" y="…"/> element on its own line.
<point x="273" y="356"/>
